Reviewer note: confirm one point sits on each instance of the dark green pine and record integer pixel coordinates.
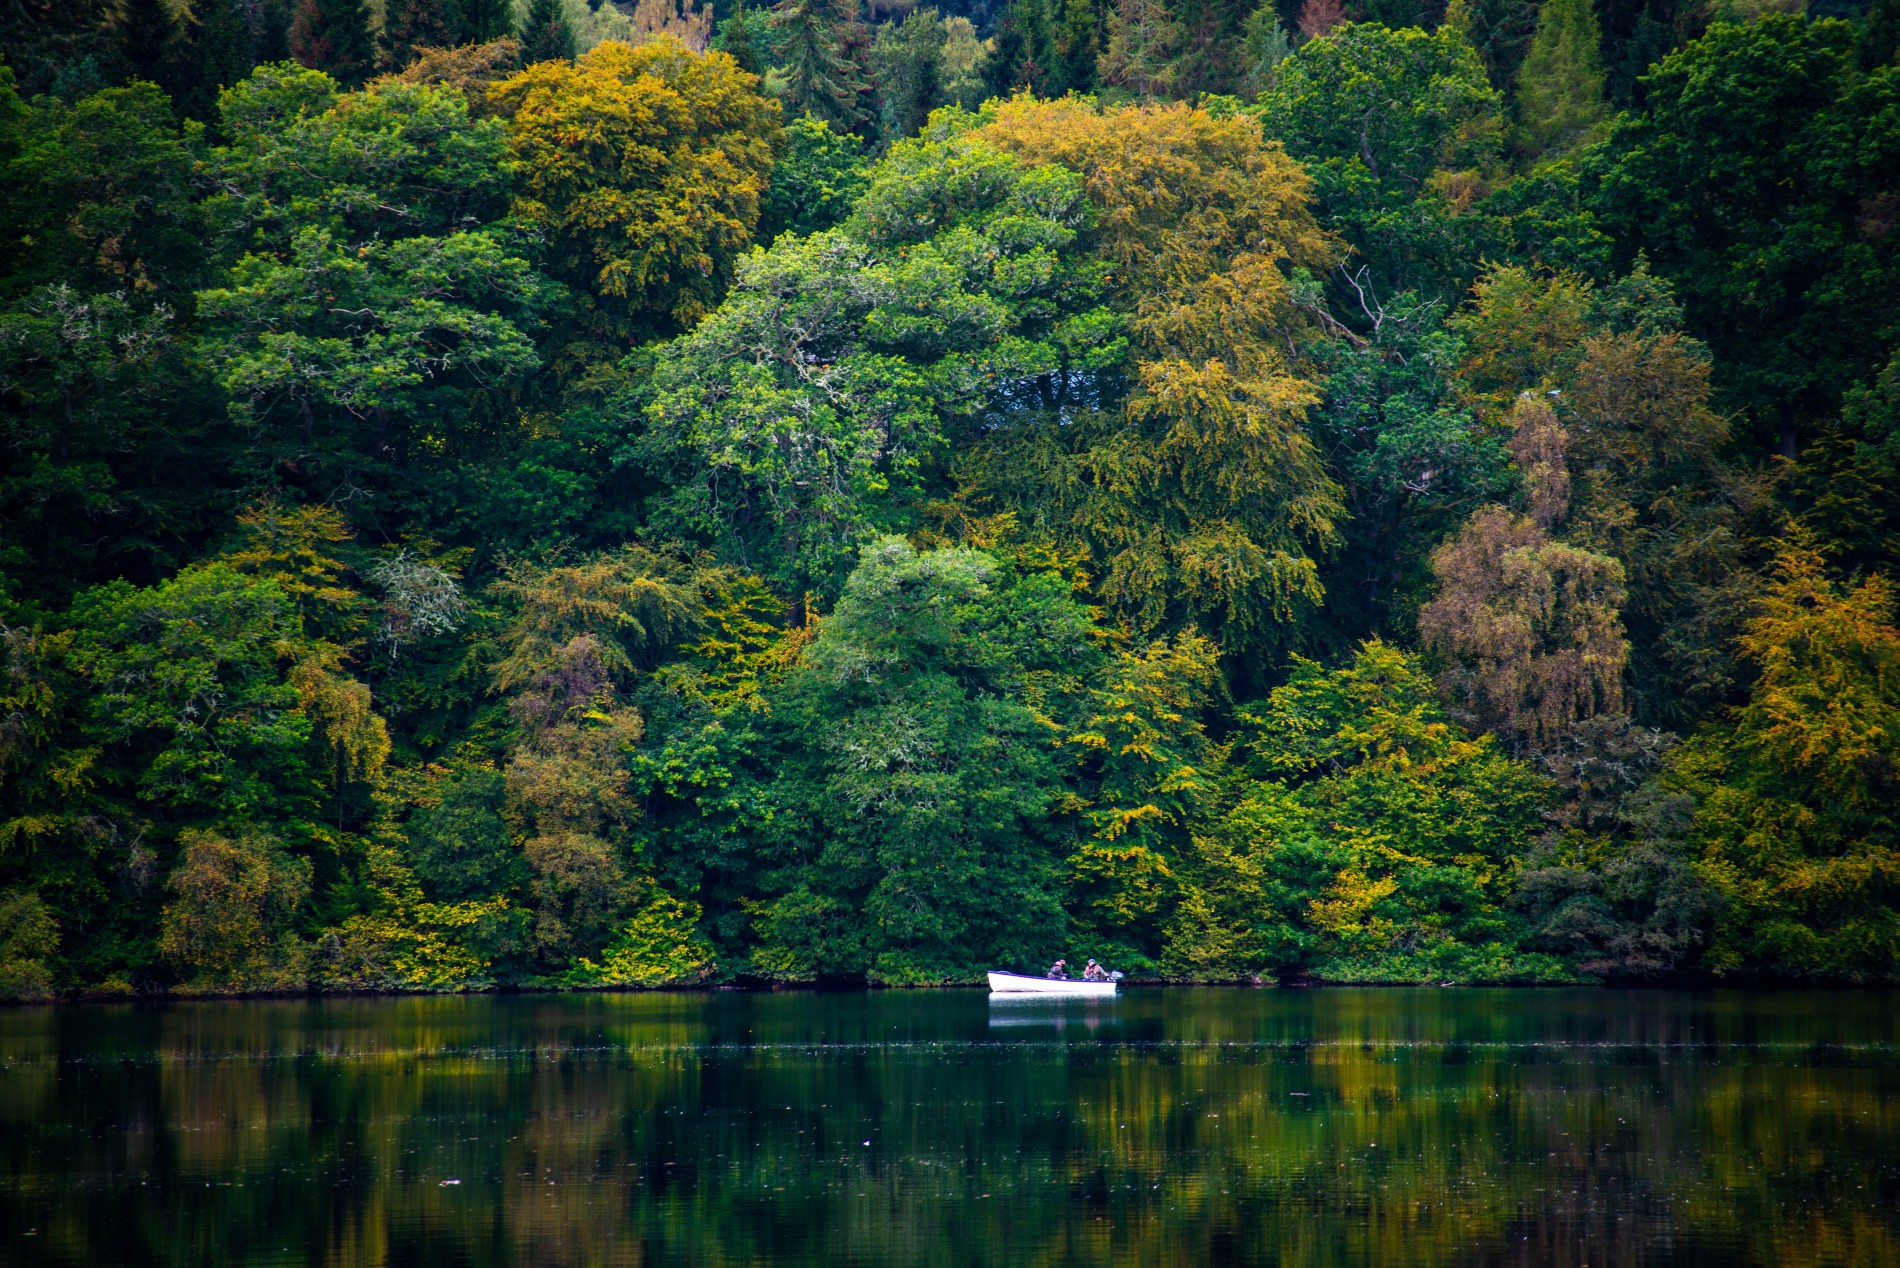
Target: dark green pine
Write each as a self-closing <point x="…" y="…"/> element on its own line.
<point x="1879" y="40"/>
<point x="147" y="41"/>
<point x="333" y="36"/>
<point x="220" y="55"/>
<point x="417" y="24"/>
<point x="269" y="25"/>
<point x="545" y="35"/>
<point x="743" y="37"/>
<point x="485" y="20"/>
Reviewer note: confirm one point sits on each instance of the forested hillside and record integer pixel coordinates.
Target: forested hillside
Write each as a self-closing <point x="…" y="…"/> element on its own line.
<point x="582" y="495"/>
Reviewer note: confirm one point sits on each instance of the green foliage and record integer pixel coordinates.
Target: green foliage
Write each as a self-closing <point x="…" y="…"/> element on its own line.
<point x="661" y="946"/>
<point x="803" y="414"/>
<point x="811" y="45"/>
<point x="545" y="33"/>
<point x="1384" y="119"/>
<point x="1408" y="454"/>
<point x="334" y="36"/>
<point x="1793" y="817"/>
<point x="502" y="526"/>
<point x="460" y="844"/>
<point x="1153" y="772"/>
<point x="193" y="691"/>
<point x="930" y="777"/>
<point x="1382" y="839"/>
<point x="1560" y="102"/>
<point x="817" y="179"/>
<point x="362" y="319"/>
<point x="1744" y="179"/>
<point x="29" y="938"/>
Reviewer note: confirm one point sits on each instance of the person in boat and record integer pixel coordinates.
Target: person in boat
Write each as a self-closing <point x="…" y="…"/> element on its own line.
<point x="1094" y="973"/>
<point x="1059" y="971"/>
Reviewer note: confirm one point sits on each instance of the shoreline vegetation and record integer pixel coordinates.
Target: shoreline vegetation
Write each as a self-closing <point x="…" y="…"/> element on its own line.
<point x="568" y="496"/>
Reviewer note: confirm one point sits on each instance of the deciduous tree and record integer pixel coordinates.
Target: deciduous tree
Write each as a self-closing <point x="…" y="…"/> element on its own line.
<point x="645" y="167"/>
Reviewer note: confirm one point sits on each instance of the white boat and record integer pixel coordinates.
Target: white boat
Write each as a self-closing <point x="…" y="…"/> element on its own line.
<point x="1016" y="984"/>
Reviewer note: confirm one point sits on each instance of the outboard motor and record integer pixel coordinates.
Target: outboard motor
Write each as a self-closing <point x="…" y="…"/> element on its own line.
<point x="1116" y="976"/>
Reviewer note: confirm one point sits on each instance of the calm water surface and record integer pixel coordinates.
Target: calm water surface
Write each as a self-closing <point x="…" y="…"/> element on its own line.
<point x="1167" y="1127"/>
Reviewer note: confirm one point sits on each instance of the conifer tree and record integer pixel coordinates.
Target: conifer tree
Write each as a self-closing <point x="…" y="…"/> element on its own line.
<point x="1020" y="53"/>
<point x="333" y="36"/>
<point x="220" y="55"/>
<point x="1143" y="40"/>
<point x="908" y="59"/>
<point x="1076" y="47"/>
<point x="1560" y="88"/>
<point x="147" y="41"/>
<point x="1879" y="40"/>
<point x="1317" y="17"/>
<point x="485" y="20"/>
<point x="545" y="34"/>
<point x="819" y="80"/>
<point x="269" y="23"/>
<point x="743" y="38"/>
<point x="416" y="24"/>
<point x="1264" y="45"/>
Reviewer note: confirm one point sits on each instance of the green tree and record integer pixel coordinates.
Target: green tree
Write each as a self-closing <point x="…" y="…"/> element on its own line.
<point x="1742" y="179"/>
<point x="931" y="773"/>
<point x="1409" y="456"/>
<point x="334" y="36"/>
<point x="46" y="41"/>
<point x="460" y="843"/>
<point x="817" y="178"/>
<point x="195" y="694"/>
<point x="1153" y="774"/>
<point x="907" y="58"/>
<point x="1379" y="841"/>
<point x="745" y="38"/>
<point x="29" y="940"/>
<point x="1382" y="119"/>
<point x="484" y="21"/>
<point x="424" y="316"/>
<point x="220" y="55"/>
<point x="809" y="43"/>
<point x="545" y="33"/>
<point x="1879" y="35"/>
<point x="1264" y="45"/>
<point x="1560" y="102"/>
<point x="803" y="415"/>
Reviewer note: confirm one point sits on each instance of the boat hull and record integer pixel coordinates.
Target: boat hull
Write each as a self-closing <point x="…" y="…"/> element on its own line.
<point x="1013" y="984"/>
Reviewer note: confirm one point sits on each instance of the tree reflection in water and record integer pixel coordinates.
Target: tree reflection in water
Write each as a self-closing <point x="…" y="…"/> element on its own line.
<point x="1166" y="1127"/>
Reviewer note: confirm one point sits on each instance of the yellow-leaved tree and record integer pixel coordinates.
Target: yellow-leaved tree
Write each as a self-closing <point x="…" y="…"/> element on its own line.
<point x="1795" y="822"/>
<point x="645" y="167"/>
<point x="1186" y="473"/>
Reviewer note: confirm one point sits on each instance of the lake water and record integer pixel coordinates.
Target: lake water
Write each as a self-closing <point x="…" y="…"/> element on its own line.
<point x="1586" y="1127"/>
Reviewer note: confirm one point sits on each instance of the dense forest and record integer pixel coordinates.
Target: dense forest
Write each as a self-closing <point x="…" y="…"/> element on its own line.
<point x="577" y="495"/>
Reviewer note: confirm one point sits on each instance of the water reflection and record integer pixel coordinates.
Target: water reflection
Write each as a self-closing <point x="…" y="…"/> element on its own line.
<point x="1176" y="1127"/>
<point x="1052" y="1013"/>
